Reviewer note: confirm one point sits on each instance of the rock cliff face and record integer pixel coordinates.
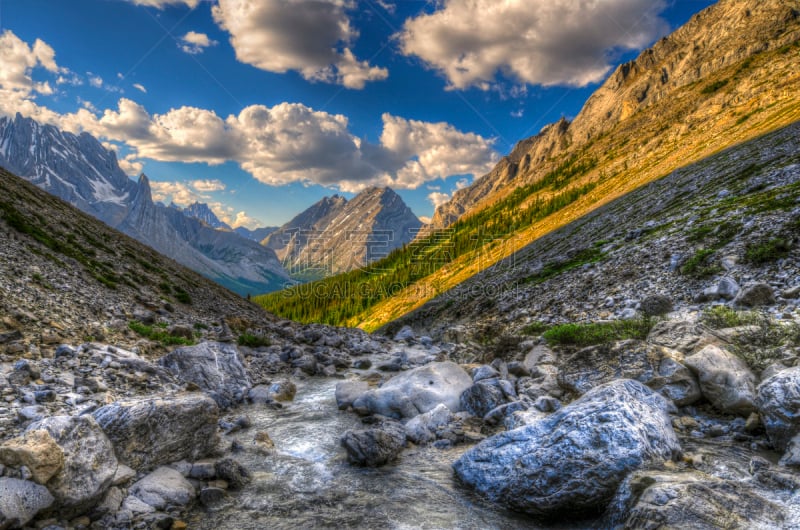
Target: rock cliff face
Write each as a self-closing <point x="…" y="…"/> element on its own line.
<point x="336" y="235"/>
<point x="714" y="39"/>
<point x="79" y="170"/>
<point x="201" y="212"/>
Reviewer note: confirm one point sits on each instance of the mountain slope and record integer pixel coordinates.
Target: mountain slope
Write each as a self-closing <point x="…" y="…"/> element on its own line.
<point x="335" y="235"/>
<point x="735" y="215"/>
<point x="202" y="212"/>
<point x="81" y="171"/>
<point x="562" y="177"/>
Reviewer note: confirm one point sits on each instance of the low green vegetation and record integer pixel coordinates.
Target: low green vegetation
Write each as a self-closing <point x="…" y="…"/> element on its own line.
<point x="591" y="333"/>
<point x="722" y="316"/>
<point x="158" y="334"/>
<point x="701" y="264"/>
<point x="535" y="328"/>
<point x="762" y="252"/>
<point x="714" y="87"/>
<point x="253" y="341"/>
<point x="339" y="299"/>
<point x="179" y="292"/>
<point x="551" y="270"/>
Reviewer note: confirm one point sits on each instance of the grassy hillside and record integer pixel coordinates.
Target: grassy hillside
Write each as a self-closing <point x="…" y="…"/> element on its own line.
<point x="738" y="103"/>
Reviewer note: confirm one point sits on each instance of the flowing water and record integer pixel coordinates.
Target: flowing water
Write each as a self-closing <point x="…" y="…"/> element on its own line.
<point x="307" y="481"/>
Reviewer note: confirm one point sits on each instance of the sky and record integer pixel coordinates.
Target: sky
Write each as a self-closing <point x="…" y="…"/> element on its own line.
<point x="262" y="107"/>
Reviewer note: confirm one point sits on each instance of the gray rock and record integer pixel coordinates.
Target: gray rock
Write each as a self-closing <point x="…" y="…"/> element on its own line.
<point x="537" y="356"/>
<point x="422" y="429"/>
<point x="755" y="295"/>
<point x="791" y="293"/>
<point x="111" y="503"/>
<point x="163" y="488"/>
<point x="416" y="391"/>
<point x="234" y="473"/>
<point x="484" y="371"/>
<point x="405" y="333"/>
<point x="778" y="403"/>
<point x="725" y="380"/>
<point x="37" y="451"/>
<point x="375" y="446"/>
<point x="217" y="368"/>
<point x="89" y="462"/>
<point x="348" y="391"/>
<point x="727" y="288"/>
<point x="213" y="498"/>
<point x="150" y="432"/>
<point x="791" y="458"/>
<point x="694" y="500"/>
<point x="656" y="305"/>
<point x="655" y="366"/>
<point x="680" y="335"/>
<point x="123" y="475"/>
<point x="483" y="396"/>
<point x="278" y="391"/>
<point x="20" y="501"/>
<point x="571" y="462"/>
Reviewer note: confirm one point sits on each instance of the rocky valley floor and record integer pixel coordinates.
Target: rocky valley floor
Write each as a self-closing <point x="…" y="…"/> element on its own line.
<point x="647" y="379"/>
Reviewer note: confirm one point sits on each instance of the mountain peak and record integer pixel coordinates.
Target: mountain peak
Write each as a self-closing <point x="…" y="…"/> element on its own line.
<point x="201" y="212"/>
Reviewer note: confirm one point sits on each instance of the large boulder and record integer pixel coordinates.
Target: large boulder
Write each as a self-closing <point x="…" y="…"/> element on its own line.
<point x="684" y="336"/>
<point x="165" y="487"/>
<point x="375" y="446"/>
<point x="694" y="500"/>
<point x="486" y="395"/>
<point x="416" y="391"/>
<point x="571" y="462"/>
<point x="37" y="451"/>
<point x="20" y="501"/>
<point x="216" y="367"/>
<point x="658" y="367"/>
<point x="725" y="380"/>
<point x="89" y="462"/>
<point x="153" y="431"/>
<point x="778" y="402"/>
<point x="755" y="295"/>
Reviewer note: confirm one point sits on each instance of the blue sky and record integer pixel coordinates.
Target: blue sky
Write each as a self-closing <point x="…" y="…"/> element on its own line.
<point x="262" y="108"/>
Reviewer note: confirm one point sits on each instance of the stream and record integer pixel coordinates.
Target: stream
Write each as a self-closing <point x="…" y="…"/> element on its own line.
<point x="307" y="481"/>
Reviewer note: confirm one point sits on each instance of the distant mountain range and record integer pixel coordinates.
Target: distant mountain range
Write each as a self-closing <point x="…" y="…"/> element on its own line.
<point x="81" y="171"/>
<point x="336" y="235"/>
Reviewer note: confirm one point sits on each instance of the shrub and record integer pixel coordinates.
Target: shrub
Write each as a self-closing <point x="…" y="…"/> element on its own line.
<point x="700" y="264"/>
<point x="588" y="334"/>
<point x="720" y="317"/>
<point x="253" y="341"/>
<point x="713" y="87"/>
<point x="767" y="251"/>
<point x="158" y="335"/>
<point x="535" y="328"/>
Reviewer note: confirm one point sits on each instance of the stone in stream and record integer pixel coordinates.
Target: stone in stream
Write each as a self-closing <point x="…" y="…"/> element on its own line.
<point x="20" y="501"/>
<point x="571" y="462"/>
<point x="779" y="405"/>
<point x="89" y="462"/>
<point x="348" y="391"/>
<point x="217" y="368"/>
<point x="375" y="446"/>
<point x="725" y="380"/>
<point x="153" y="431"/>
<point x="162" y="488"/>
<point x="416" y="391"/>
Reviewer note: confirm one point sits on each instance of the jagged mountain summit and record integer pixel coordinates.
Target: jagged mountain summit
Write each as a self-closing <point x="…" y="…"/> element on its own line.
<point x="201" y="212"/>
<point x="336" y="235"/>
<point x="652" y="87"/>
<point x="79" y="170"/>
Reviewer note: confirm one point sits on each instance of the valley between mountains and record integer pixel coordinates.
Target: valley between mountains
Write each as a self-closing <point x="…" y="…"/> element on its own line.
<point x="602" y="332"/>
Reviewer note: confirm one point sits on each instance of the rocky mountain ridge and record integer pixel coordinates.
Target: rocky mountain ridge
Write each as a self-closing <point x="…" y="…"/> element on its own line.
<point x="722" y="35"/>
<point x="336" y="235"/>
<point x="81" y="171"/>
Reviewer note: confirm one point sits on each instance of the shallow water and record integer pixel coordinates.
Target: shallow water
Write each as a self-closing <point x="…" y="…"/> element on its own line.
<point x="308" y="483"/>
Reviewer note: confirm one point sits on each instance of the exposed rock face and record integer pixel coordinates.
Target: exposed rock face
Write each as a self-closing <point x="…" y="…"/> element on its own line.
<point x="150" y="432"/>
<point x="486" y="395"/>
<point x="416" y="391"/>
<point x="725" y="380"/>
<point x="20" y="501"/>
<point x="779" y="404"/>
<point x="201" y="212"/>
<point x="571" y="462"/>
<point x="89" y="462"/>
<point x="655" y="366"/>
<point x="375" y="446"/>
<point x="336" y="235"/>
<point x="696" y="500"/>
<point x="217" y="368"/>
<point x="79" y="170"/>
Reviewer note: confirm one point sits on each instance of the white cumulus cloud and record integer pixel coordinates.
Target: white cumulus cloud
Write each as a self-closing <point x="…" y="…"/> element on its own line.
<point x="438" y="198"/>
<point x="161" y="4"/>
<point x="540" y="42"/>
<point x="17" y="61"/>
<point x="312" y="37"/>
<point x="140" y="87"/>
<point x="194" y="43"/>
